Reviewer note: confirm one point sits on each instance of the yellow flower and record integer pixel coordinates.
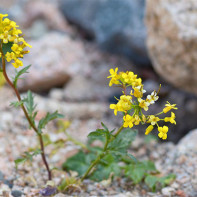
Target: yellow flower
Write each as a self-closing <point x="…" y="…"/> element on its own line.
<point x="149" y="129"/>
<point x="163" y="132"/>
<point x="9" y="33"/>
<point x="136" y="120"/>
<point x="17" y="63"/>
<point x="10" y="56"/>
<point x="170" y="119"/>
<point x="114" y="77"/>
<point x="143" y="104"/>
<point x="153" y="119"/>
<point x="169" y="107"/>
<point x="114" y="107"/>
<point x="128" y="77"/>
<point x="128" y="121"/>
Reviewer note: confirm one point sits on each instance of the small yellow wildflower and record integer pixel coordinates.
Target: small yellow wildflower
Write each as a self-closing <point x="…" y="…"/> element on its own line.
<point x="114" y="77"/>
<point x="170" y="119"/>
<point x="17" y="63"/>
<point x="163" y="132"/>
<point x="138" y="91"/>
<point x="136" y="120"/>
<point x="132" y="104"/>
<point x="128" y="121"/>
<point x="153" y="119"/>
<point x="149" y="129"/>
<point x="169" y="107"/>
<point x="143" y="104"/>
<point x="115" y="108"/>
<point x="9" y="33"/>
<point x="128" y="77"/>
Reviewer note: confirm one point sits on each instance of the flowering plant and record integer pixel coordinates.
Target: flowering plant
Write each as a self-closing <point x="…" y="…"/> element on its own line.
<point x="97" y="163"/>
<point x="12" y="49"/>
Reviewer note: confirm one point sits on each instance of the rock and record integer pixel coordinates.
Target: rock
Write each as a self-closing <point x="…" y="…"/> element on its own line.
<point x="167" y="191"/>
<point x="171" y="40"/>
<point x="48" y="12"/>
<point x="55" y="58"/>
<point x="116" y="25"/>
<point x="189" y="141"/>
<point x="79" y="89"/>
<point x="16" y="193"/>
<point x="73" y="110"/>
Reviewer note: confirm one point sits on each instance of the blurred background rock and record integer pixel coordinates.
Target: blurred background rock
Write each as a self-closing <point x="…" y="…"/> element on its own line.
<point x="75" y="42"/>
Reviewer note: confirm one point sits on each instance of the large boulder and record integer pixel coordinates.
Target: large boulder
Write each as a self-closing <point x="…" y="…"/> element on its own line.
<point x="117" y="25"/>
<point x="172" y="41"/>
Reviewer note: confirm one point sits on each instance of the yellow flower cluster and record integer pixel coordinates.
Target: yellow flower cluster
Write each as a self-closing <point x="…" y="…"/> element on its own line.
<point x="133" y="104"/>
<point x="9" y="33"/>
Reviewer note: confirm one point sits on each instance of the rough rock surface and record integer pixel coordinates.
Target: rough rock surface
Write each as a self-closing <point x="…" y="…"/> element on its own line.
<point x="115" y="24"/>
<point x="171" y="40"/>
<point x="54" y="59"/>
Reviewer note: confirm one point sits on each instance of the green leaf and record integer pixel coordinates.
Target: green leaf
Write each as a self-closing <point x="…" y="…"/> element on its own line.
<point x="79" y="162"/>
<point x="44" y="121"/>
<point x="107" y="166"/>
<point x="19" y="73"/>
<point x="97" y="133"/>
<point x="28" y="156"/>
<point x="153" y="181"/>
<point x="7" y="47"/>
<point x="19" y="161"/>
<point x="132" y="157"/>
<point x="122" y="141"/>
<point x="137" y="171"/>
<point x="17" y="103"/>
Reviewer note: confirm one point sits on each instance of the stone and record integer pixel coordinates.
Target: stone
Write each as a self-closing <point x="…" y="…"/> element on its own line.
<point x="73" y="110"/>
<point x="48" y="12"/>
<point x="115" y="25"/>
<point x="167" y="191"/>
<point x="16" y="193"/>
<point x="55" y="58"/>
<point x="189" y="141"/>
<point x="171" y="41"/>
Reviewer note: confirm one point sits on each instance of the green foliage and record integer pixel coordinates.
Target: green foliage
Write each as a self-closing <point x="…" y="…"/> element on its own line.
<point x="114" y="150"/>
<point x="154" y="181"/>
<point x="137" y="171"/>
<point x="107" y="166"/>
<point x="79" y="162"/>
<point x="121" y="143"/>
<point x="17" y="103"/>
<point x="27" y="156"/>
<point x="49" y="116"/>
<point x="7" y="47"/>
<point x="19" y="73"/>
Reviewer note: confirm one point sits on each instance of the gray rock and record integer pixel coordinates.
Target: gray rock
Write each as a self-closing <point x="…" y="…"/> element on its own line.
<point x="16" y="193"/>
<point x="117" y="25"/>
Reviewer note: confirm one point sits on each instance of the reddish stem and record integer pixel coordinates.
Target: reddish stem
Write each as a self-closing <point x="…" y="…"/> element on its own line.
<point x="27" y="116"/>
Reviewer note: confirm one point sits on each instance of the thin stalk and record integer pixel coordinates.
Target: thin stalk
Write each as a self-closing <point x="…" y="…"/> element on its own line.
<point x="26" y="115"/>
<point x="96" y="161"/>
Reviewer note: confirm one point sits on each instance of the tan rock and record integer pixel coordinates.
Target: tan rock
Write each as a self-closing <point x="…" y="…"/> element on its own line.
<point x="172" y="40"/>
<point x="55" y="58"/>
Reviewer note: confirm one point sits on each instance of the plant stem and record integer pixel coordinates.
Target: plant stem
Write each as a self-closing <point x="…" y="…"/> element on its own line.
<point x="26" y="115"/>
<point x="96" y="161"/>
